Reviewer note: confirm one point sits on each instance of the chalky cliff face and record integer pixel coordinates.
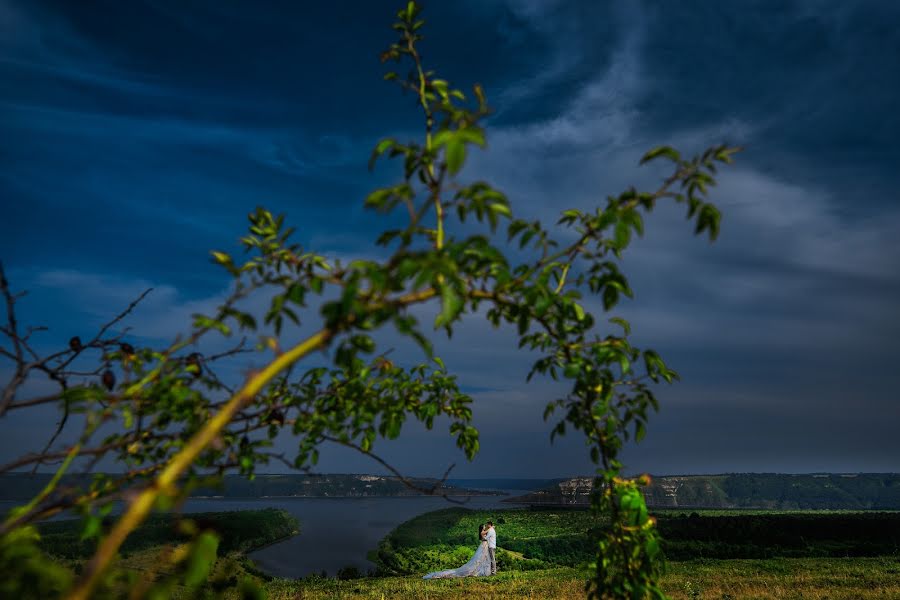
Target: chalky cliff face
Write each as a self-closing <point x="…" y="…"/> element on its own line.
<point x="662" y="492"/>
<point x="762" y="491"/>
<point x="577" y="490"/>
<point x="694" y="492"/>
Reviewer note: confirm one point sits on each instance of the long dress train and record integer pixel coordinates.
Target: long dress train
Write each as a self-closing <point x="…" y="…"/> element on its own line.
<point x="478" y="566"/>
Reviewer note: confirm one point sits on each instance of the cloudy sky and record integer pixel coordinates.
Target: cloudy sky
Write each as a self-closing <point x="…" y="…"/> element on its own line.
<point x="138" y="135"/>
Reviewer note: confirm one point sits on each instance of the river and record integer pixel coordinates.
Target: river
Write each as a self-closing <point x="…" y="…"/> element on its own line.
<point x="335" y="532"/>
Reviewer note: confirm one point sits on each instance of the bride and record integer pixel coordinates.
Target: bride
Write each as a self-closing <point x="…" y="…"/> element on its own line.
<point x="479" y="565"/>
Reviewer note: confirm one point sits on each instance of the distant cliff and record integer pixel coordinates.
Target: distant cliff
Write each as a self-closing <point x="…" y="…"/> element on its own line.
<point x="861" y="491"/>
<point x="24" y="486"/>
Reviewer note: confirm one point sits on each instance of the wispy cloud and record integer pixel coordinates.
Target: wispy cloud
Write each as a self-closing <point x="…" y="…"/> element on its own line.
<point x="126" y="158"/>
<point x="162" y="315"/>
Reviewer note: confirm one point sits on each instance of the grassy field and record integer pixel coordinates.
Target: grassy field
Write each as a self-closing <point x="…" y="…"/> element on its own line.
<point x="781" y="579"/>
<point x="543" y="553"/>
<point x="542" y="539"/>
<point x="446" y="538"/>
<point x="831" y="555"/>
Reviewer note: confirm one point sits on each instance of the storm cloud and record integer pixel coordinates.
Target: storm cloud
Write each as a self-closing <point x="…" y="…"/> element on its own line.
<point x="139" y="135"/>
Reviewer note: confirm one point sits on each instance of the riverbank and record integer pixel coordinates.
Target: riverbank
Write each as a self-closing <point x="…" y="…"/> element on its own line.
<point x="718" y="555"/>
<point x="239" y="533"/>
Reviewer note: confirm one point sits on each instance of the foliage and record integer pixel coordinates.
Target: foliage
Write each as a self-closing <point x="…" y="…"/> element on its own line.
<point x="527" y="540"/>
<point x="766" y="491"/>
<point x="864" y="490"/>
<point x="738" y="535"/>
<point x="36" y="575"/>
<point x="179" y="423"/>
<point x="549" y="538"/>
<point x="628" y="559"/>
<point x="237" y="531"/>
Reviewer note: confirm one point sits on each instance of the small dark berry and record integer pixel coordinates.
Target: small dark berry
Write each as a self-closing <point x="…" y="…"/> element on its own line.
<point x="109" y="379"/>
<point x="127" y="349"/>
<point x="75" y="344"/>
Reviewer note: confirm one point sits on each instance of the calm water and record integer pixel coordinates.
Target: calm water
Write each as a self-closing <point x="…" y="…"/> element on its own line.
<point x="335" y="532"/>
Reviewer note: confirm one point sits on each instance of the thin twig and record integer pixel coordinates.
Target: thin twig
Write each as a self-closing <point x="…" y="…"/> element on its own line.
<point x="432" y="491"/>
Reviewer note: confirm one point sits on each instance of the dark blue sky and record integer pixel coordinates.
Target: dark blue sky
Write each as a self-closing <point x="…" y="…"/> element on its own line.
<point x="137" y="136"/>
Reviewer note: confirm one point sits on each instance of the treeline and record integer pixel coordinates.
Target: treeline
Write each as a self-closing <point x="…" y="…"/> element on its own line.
<point x="827" y="491"/>
<point x="792" y="535"/>
<point x="506" y="483"/>
<point x="325" y="486"/>
<point x="238" y="531"/>
<point x="24" y="486"/>
<point x="864" y="491"/>
<point x="543" y="538"/>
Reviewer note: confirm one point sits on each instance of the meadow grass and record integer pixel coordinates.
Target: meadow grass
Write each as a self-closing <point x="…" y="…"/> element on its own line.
<point x="780" y="579"/>
<point x="439" y="532"/>
<point x="547" y="538"/>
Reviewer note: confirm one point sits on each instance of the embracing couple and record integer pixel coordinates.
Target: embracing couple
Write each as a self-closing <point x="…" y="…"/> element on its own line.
<point x="483" y="562"/>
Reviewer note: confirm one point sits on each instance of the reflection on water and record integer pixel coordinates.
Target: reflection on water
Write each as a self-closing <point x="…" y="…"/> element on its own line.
<point x="334" y="532"/>
<point x="337" y="533"/>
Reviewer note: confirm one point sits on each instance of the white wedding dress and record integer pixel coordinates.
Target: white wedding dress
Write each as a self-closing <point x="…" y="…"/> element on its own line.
<point x="478" y="566"/>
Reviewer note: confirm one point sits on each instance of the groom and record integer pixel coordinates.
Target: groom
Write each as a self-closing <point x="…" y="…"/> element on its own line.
<point x="491" y="537"/>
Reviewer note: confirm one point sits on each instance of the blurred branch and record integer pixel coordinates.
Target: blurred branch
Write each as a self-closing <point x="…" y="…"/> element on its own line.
<point x="428" y="491"/>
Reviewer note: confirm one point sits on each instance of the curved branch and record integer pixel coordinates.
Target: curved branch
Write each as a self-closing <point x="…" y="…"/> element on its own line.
<point x="143" y="503"/>
<point x="432" y="491"/>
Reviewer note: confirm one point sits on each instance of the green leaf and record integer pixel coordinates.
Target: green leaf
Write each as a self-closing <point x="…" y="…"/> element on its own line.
<point x="501" y="209"/>
<point x="368" y="440"/>
<point x="456" y="155"/>
<point x="708" y="219"/>
<point x="393" y="428"/>
<point x="625" y="325"/>
<point x="91" y="527"/>
<point x="542" y="305"/>
<point x="472" y="135"/>
<point x="664" y="151"/>
<point x="441" y="138"/>
<point x="202" y="557"/>
<point x="610" y="297"/>
<point x="622" y="235"/>
<point x="451" y="305"/>
<point x="380" y="149"/>
<point x="579" y="311"/>
<point x="571" y="370"/>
